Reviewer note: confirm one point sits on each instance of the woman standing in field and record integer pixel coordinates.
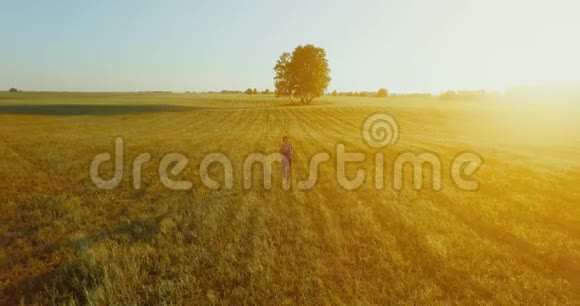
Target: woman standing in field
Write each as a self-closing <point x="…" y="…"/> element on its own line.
<point x="287" y="151"/>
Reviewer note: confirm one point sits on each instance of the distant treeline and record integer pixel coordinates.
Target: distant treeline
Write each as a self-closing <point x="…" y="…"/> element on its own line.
<point x="381" y="93"/>
<point x="248" y="91"/>
<point x="467" y="94"/>
<point x="560" y="92"/>
<point x="566" y="91"/>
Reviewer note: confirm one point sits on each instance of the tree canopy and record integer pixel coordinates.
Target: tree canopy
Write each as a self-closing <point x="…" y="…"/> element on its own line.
<point x="382" y="92"/>
<point x="302" y="74"/>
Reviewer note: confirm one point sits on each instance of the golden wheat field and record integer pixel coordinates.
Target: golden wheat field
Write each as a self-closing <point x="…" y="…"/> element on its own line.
<point x="514" y="240"/>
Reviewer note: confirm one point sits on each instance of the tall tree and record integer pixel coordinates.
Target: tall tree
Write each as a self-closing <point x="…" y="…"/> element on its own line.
<point x="382" y="92"/>
<point x="302" y="75"/>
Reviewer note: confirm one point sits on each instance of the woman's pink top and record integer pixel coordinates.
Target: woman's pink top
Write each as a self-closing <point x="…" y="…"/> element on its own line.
<point x="287" y="151"/>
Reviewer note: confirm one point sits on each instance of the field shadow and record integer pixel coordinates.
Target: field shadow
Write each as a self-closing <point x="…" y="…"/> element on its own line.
<point x="90" y="109"/>
<point x="296" y="104"/>
<point x="75" y="268"/>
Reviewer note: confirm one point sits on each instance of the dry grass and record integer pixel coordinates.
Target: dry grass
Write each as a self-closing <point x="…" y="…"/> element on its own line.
<point x="63" y="241"/>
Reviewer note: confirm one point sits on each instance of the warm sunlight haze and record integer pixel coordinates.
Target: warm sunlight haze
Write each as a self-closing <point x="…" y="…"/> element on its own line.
<point x="290" y="152"/>
<point x="414" y="46"/>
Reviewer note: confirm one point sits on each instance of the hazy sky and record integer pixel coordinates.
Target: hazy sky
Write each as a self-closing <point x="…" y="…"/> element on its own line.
<point x="405" y="46"/>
